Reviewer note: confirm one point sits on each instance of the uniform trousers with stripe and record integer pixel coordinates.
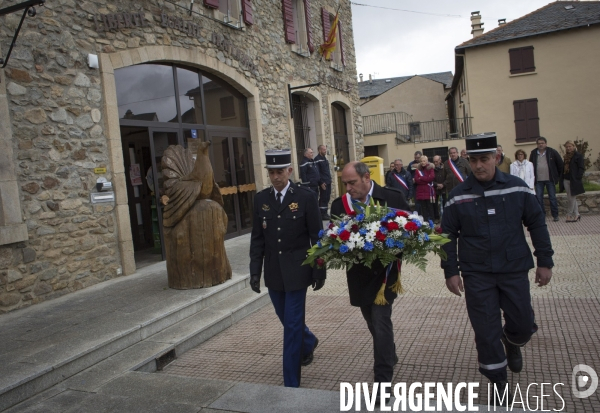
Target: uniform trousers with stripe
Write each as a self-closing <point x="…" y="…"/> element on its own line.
<point x="324" y="195"/>
<point x="486" y="294"/>
<point x="298" y="340"/>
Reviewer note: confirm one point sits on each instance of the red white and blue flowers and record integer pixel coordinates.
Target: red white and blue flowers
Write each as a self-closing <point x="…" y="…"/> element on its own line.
<point x="373" y="232"/>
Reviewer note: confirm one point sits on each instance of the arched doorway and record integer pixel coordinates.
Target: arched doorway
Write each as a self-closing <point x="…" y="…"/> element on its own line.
<point x="340" y="136"/>
<point x="165" y="104"/>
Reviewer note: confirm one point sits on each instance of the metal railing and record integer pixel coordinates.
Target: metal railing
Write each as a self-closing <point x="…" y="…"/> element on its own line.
<point x="384" y="123"/>
<point x="408" y="131"/>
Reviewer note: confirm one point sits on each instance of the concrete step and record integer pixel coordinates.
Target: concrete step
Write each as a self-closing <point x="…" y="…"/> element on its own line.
<point x="99" y="339"/>
<point x="172" y="342"/>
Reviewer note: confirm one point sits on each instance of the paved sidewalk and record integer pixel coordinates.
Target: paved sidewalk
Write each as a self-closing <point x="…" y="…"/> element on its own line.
<point x="434" y="339"/>
<point x="239" y="370"/>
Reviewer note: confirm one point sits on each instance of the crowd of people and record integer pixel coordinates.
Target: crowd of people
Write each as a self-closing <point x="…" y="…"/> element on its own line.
<point x="427" y="185"/>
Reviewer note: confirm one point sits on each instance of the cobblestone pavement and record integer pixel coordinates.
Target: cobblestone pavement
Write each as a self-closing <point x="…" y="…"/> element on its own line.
<point x="434" y="339"/>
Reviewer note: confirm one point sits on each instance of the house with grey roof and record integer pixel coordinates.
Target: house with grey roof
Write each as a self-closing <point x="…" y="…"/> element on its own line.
<point x="534" y="76"/>
<point x="400" y="112"/>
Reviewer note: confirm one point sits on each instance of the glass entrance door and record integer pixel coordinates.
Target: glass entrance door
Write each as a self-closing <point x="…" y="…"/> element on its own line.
<point x="160" y="139"/>
<point x="232" y="165"/>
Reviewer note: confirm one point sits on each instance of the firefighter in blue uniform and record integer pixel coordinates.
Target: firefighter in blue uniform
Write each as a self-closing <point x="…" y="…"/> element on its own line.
<point x="286" y="222"/>
<point x="485" y="215"/>
<point x="325" y="185"/>
<point x="309" y="173"/>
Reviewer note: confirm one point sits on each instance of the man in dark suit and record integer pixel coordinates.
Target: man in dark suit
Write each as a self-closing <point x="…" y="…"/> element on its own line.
<point x="364" y="282"/>
<point x="286" y="222"/>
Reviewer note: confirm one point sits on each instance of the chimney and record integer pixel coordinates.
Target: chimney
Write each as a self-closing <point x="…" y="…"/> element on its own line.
<point x="361" y="77"/>
<point x="501" y="22"/>
<point x="370" y="78"/>
<point x="476" y="24"/>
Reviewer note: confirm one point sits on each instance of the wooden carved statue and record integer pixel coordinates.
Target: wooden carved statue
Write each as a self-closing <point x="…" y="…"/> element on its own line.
<point x="194" y="220"/>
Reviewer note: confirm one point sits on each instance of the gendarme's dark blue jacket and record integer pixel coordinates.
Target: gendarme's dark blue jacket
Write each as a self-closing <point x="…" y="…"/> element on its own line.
<point x="309" y="172"/>
<point x="323" y="167"/>
<point x="487" y="224"/>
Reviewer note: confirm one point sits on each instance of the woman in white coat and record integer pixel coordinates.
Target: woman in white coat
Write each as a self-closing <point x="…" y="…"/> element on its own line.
<point x="523" y="168"/>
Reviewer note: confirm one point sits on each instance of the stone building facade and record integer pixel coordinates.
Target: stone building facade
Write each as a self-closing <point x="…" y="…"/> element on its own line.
<point x="62" y="121"/>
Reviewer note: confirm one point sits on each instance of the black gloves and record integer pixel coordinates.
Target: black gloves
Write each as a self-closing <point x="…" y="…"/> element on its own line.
<point x="318" y="284"/>
<point x="255" y="283"/>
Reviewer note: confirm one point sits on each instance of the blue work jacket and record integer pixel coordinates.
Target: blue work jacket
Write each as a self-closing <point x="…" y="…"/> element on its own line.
<point x="487" y="226"/>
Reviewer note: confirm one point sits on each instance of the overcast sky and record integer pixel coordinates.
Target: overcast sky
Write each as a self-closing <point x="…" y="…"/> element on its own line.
<point x="391" y="43"/>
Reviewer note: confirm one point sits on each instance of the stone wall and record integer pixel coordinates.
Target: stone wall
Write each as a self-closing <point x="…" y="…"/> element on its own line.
<point x="588" y="203"/>
<point x="60" y="127"/>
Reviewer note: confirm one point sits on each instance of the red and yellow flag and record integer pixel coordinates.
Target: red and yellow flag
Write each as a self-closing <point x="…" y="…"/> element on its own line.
<point x="327" y="48"/>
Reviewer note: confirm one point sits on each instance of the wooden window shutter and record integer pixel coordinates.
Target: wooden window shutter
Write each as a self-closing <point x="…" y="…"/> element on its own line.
<point x="326" y="23"/>
<point x="527" y="121"/>
<point x="288" y="21"/>
<point x="527" y="59"/>
<point x="520" y="120"/>
<point x="341" y="43"/>
<point x="309" y="33"/>
<point x="213" y="4"/>
<point x="533" y="119"/>
<point x="516" y="62"/>
<point x="247" y="12"/>
<point x="521" y="60"/>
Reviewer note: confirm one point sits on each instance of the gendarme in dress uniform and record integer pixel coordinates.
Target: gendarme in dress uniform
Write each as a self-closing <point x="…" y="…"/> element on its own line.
<point x="286" y="222"/>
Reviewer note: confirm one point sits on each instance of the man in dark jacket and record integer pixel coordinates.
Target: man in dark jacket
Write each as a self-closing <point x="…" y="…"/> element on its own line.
<point x="285" y="225"/>
<point x="363" y="282"/>
<point x="412" y="165"/>
<point x="547" y="168"/>
<point x="325" y="186"/>
<point x="484" y="217"/>
<point x="456" y="170"/>
<point x="399" y="178"/>
<point x="309" y="173"/>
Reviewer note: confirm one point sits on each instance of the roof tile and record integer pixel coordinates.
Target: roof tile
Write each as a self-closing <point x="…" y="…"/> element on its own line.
<point x="550" y="18"/>
<point x="379" y="86"/>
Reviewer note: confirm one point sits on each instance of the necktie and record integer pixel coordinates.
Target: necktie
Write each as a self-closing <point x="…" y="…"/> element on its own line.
<point x="278" y="196"/>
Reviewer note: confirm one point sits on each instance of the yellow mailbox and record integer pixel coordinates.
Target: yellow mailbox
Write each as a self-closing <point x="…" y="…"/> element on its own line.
<point x="375" y="164"/>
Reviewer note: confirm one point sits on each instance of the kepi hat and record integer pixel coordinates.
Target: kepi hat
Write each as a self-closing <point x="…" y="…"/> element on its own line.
<point x="481" y="143"/>
<point x="278" y="158"/>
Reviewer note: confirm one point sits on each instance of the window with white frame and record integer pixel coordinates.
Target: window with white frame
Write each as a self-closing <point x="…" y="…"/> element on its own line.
<point x="336" y="57"/>
<point x="299" y="11"/>
<point x="229" y="11"/>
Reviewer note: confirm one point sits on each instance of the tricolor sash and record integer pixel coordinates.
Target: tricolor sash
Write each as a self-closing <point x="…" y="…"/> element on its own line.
<point x="455" y="171"/>
<point x="400" y="181"/>
<point x="347" y="202"/>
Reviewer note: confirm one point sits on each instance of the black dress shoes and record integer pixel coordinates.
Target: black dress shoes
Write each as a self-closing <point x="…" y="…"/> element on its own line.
<point x="307" y="359"/>
<point x="513" y="356"/>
